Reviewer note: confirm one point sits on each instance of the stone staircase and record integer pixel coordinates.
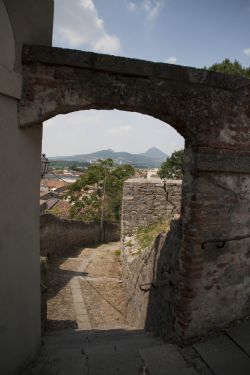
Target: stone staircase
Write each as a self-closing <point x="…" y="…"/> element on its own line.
<point x="116" y="352"/>
<point x="104" y="344"/>
<point x="131" y="352"/>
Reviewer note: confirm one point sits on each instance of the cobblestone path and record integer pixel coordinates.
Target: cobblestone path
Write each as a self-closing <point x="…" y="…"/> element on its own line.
<point x="86" y="291"/>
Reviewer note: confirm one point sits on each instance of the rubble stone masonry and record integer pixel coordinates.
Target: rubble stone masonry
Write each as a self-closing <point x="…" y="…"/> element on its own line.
<point x="212" y="112"/>
<point x="146" y="200"/>
<point x="59" y="236"/>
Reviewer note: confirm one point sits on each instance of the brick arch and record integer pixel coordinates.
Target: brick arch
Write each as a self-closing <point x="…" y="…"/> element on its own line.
<point x="212" y="112"/>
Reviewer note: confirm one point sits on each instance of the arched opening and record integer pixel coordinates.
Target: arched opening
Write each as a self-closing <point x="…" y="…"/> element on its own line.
<point x="86" y="284"/>
<point x="203" y="107"/>
<point x="210" y="110"/>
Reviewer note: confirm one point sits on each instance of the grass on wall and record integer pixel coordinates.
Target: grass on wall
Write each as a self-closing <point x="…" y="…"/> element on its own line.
<point x="147" y="233"/>
<point x="54" y="211"/>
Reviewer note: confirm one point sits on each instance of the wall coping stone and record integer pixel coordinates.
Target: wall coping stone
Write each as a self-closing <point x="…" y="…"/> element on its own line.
<point x="141" y="180"/>
<point x="131" y="66"/>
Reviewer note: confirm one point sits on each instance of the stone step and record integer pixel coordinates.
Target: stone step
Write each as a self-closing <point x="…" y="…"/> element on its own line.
<point x="94" y="334"/>
<point x="117" y="339"/>
<point x="165" y="359"/>
<point x="94" y="354"/>
<point x="118" y="357"/>
<point x="52" y="362"/>
<point x="241" y="335"/>
<point x="122" y="365"/>
<point x="224" y="356"/>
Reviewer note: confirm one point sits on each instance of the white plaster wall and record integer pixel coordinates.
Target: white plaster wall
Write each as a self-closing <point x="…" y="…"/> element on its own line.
<point x="19" y="239"/>
<point x="7" y="56"/>
<point x="32" y="23"/>
<point x="20" y="152"/>
<point x="10" y="81"/>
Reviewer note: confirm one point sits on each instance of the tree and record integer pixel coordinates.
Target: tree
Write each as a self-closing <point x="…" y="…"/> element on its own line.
<point x="173" y="167"/>
<point x="229" y="67"/>
<point x="97" y="194"/>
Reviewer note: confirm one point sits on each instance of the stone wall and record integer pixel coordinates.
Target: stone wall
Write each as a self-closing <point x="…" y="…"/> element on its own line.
<point x="57" y="236"/>
<point x="222" y="268"/>
<point x="145" y="201"/>
<point x="214" y="283"/>
<point x="150" y="277"/>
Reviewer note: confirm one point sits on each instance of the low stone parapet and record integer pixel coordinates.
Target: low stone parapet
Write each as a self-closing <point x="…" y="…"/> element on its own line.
<point x="57" y="236"/>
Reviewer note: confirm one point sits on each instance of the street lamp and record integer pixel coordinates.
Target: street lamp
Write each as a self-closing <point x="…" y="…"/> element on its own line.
<point x="44" y="165"/>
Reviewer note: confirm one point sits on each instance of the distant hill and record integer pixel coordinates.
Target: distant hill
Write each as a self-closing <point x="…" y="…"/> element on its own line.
<point x="155" y="153"/>
<point x="152" y="158"/>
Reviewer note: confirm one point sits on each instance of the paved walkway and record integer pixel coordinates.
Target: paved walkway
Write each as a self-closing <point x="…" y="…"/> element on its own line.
<point x="87" y="297"/>
<point x="86" y="290"/>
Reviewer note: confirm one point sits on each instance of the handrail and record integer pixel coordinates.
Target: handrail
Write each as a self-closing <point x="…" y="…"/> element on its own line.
<point x="221" y="243"/>
<point x="154" y="285"/>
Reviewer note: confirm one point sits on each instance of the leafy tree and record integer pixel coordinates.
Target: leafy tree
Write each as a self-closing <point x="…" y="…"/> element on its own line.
<point x="98" y="191"/>
<point x="173" y="167"/>
<point x="229" y="67"/>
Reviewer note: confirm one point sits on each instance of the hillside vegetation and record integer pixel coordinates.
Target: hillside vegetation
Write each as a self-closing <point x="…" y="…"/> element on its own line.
<point x="97" y="194"/>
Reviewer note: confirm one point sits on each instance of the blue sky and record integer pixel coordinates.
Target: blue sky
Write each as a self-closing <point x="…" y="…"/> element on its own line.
<point x="185" y="32"/>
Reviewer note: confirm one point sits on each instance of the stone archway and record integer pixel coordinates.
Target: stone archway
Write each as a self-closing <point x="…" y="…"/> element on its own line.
<point x="212" y="112"/>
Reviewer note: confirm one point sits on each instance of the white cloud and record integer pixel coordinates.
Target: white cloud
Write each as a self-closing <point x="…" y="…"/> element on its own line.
<point x="171" y="60"/>
<point x="247" y="52"/>
<point x="107" y="43"/>
<point x="152" y="8"/>
<point x="77" y="25"/>
<point x="131" y="6"/>
<point x="120" y="130"/>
